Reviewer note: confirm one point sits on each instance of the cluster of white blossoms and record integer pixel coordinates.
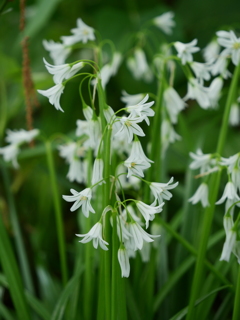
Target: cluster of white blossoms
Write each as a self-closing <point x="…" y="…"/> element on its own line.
<point x="15" y="139"/>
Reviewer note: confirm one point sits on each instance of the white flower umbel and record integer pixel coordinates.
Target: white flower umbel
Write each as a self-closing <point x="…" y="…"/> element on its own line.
<point x="81" y="199"/>
<point x="124" y="261"/>
<point x="148" y="212"/>
<point x="97" y="174"/>
<point x="231" y="44"/>
<point x="201" y="161"/>
<point x="228" y="245"/>
<point x="131" y="99"/>
<point x="173" y="102"/>
<point x="165" y="22"/>
<point x="10" y="153"/>
<point x="201" y="195"/>
<point x="211" y="51"/>
<point x="82" y="33"/>
<point x="58" y="52"/>
<point x="138" y="236"/>
<point x="201" y="70"/>
<point x="95" y="235"/>
<point x="197" y="91"/>
<point x="185" y="50"/>
<point x="54" y="95"/>
<point x="63" y="71"/>
<point x="139" y="67"/>
<point x="160" y="190"/>
<point x="142" y="109"/>
<point x="214" y="91"/>
<point x="234" y="117"/>
<point x="130" y="127"/>
<point x="21" y="136"/>
<point x="229" y="193"/>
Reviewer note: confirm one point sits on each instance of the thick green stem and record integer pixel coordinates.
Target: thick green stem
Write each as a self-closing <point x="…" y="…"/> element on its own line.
<point x="208" y="215"/>
<point x="115" y="267"/>
<point x="236" y="309"/>
<point x="58" y="212"/>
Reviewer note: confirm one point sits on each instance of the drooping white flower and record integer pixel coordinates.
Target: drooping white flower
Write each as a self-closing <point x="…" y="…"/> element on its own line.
<point x="58" y="51"/>
<point x="231" y="44"/>
<point x="54" y="95"/>
<point x="173" y="102"/>
<point x="139" y="67"/>
<point x="165" y="22"/>
<point x="219" y="67"/>
<point x="201" y="195"/>
<point x="82" y="33"/>
<point x="168" y="135"/>
<point x="233" y="166"/>
<point x="124" y="261"/>
<point x="185" y="50"/>
<point x="138" y="236"/>
<point x="197" y="91"/>
<point x="10" y="153"/>
<point x="97" y="174"/>
<point x="124" y="181"/>
<point x="214" y="91"/>
<point x="211" y="51"/>
<point x="131" y="99"/>
<point x="63" y="71"/>
<point x="229" y="193"/>
<point x="81" y="199"/>
<point x="130" y="127"/>
<point x="201" y="70"/>
<point x="160" y="190"/>
<point x="96" y="235"/>
<point x="228" y="245"/>
<point x="148" y="212"/>
<point x="201" y="161"/>
<point x="138" y="151"/>
<point x="21" y="136"/>
<point x="136" y="166"/>
<point x="234" y="116"/>
<point x="142" y="109"/>
<point x="87" y="112"/>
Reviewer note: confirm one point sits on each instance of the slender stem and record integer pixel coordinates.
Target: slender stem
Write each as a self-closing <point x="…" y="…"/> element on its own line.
<point x="58" y="212"/>
<point x="114" y="267"/>
<point x="236" y="308"/>
<point x="213" y="191"/>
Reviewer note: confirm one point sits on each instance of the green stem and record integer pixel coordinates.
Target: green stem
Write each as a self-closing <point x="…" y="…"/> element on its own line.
<point x="114" y="267"/>
<point x="236" y="309"/>
<point x="58" y="212"/>
<point x="208" y="215"/>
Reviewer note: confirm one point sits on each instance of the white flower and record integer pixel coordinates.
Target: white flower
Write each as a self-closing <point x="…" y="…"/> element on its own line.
<point x="138" y="151"/>
<point x="125" y="182"/>
<point x="20" y="136"/>
<point x="124" y="261"/>
<point x="201" y="161"/>
<point x="87" y="112"/>
<point x="231" y="43"/>
<point x="58" y="52"/>
<point x="228" y="245"/>
<point x="201" y="70"/>
<point x="97" y="174"/>
<point x="197" y="91"/>
<point x="138" y="236"/>
<point x="168" y="135"/>
<point x="10" y="153"/>
<point x="185" y="50"/>
<point x="136" y="166"/>
<point x="211" y="52"/>
<point x="142" y="109"/>
<point x="214" y="91"/>
<point x="220" y="67"/>
<point x="160" y="190"/>
<point x="234" y="117"/>
<point x="148" y="212"/>
<point x="63" y="71"/>
<point x="139" y="67"/>
<point x="229" y="193"/>
<point x="82" y="128"/>
<point x="81" y="198"/>
<point x="82" y="33"/>
<point x="201" y="195"/>
<point x="173" y="102"/>
<point x="233" y="166"/>
<point x="130" y="127"/>
<point x="94" y="234"/>
<point x="54" y="95"/>
<point x="165" y="22"/>
<point x="131" y="99"/>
